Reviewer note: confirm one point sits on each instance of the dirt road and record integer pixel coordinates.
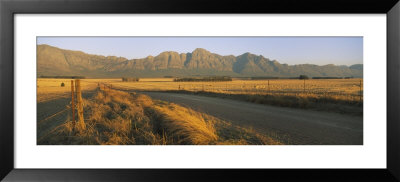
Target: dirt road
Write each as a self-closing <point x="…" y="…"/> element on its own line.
<point x="294" y="126"/>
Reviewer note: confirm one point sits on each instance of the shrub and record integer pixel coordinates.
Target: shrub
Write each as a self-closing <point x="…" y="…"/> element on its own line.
<point x="204" y="79"/>
<point x="303" y="77"/>
<point x="62" y="84"/>
<point x="124" y="79"/>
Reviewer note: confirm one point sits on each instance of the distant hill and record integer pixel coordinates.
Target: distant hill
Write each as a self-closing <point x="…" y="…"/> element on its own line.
<point x="53" y="61"/>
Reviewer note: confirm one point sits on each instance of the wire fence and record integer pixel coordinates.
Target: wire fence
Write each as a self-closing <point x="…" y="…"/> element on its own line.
<point x="355" y="95"/>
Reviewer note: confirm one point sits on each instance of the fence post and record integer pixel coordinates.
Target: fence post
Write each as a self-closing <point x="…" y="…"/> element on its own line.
<point x="79" y="104"/>
<point x="360" y="91"/>
<point x="76" y="92"/>
<point x="104" y="90"/>
<point x="72" y="100"/>
<point x="304" y="85"/>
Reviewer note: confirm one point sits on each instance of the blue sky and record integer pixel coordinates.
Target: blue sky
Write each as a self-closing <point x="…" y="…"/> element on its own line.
<point x="290" y="50"/>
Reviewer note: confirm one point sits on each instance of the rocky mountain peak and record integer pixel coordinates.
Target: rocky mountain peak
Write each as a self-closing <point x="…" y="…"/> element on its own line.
<point x="200" y="51"/>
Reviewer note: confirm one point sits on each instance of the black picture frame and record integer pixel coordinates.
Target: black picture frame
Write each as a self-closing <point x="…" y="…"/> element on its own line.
<point x="8" y="8"/>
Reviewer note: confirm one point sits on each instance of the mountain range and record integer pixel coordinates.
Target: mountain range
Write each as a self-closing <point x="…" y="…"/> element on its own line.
<point x="53" y="61"/>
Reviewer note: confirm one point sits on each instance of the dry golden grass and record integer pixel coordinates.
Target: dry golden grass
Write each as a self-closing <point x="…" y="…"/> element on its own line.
<point x="156" y="79"/>
<point x="193" y="127"/>
<point x="334" y="95"/>
<point x="339" y="89"/>
<point x="336" y="89"/>
<point x="121" y="118"/>
<point x="49" y="88"/>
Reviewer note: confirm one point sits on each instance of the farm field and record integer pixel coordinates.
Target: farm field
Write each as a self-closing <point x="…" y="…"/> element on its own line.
<point x="345" y="89"/>
<point x="342" y="89"/>
<point x="113" y="117"/>
<point x="335" y="95"/>
<point x="116" y="114"/>
<point x="49" y="88"/>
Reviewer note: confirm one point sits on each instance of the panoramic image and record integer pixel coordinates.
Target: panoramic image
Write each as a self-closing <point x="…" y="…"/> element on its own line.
<point x="199" y="90"/>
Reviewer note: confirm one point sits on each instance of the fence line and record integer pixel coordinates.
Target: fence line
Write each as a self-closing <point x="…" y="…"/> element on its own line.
<point x="267" y="89"/>
<point x="304" y="88"/>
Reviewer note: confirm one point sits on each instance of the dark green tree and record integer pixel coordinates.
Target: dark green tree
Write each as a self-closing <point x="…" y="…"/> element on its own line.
<point x="303" y="77"/>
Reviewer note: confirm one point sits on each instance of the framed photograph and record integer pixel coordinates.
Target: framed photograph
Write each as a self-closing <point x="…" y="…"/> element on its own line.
<point x="145" y="91"/>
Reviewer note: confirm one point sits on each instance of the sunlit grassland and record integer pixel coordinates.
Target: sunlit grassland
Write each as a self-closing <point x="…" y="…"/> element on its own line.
<point x="337" y="95"/>
<point x="49" y="88"/>
<point x="334" y="95"/>
<point x="120" y="118"/>
<point x="346" y="89"/>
